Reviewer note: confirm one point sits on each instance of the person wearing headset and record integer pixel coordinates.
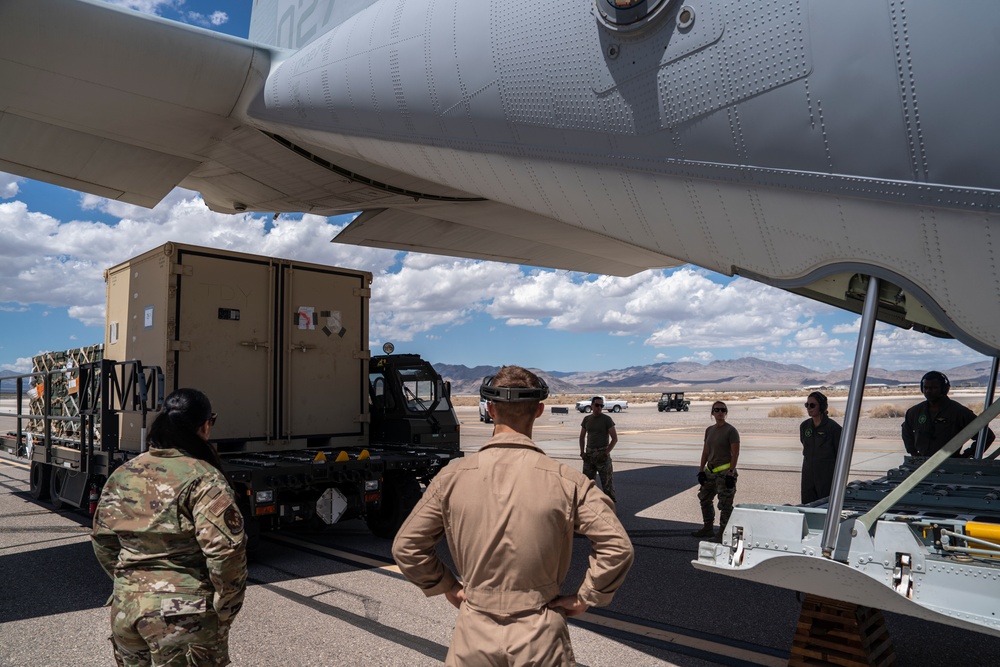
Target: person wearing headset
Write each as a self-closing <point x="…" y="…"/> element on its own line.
<point x="929" y="425"/>
<point x="509" y="513"/>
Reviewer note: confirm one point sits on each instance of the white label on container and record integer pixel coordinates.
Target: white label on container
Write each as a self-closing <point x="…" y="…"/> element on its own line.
<point x="305" y="317"/>
<point x="147" y="317"/>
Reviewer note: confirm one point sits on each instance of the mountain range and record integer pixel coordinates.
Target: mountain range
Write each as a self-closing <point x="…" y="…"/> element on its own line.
<point x="7" y="385"/>
<point x="747" y="373"/>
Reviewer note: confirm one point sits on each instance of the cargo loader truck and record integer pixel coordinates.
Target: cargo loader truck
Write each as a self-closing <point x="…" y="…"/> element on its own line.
<point x="311" y="427"/>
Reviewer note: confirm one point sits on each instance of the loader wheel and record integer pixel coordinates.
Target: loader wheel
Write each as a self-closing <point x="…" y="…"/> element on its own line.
<point x="399" y="495"/>
<point x="38" y="480"/>
<point x="57" y="480"/>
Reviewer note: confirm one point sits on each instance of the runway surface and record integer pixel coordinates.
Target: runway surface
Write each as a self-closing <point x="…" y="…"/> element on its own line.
<point x="335" y="597"/>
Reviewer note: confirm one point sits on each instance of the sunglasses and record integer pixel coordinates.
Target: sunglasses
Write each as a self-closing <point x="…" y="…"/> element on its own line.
<point x="598" y="405"/>
<point x="811" y="405"/>
<point x="720" y="409"/>
<point x="211" y="420"/>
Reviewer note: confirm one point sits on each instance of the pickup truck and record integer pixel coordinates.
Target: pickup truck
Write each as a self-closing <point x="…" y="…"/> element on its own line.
<point x="609" y="405"/>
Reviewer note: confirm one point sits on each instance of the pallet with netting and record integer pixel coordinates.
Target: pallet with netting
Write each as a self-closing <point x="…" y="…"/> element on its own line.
<point x="61" y="372"/>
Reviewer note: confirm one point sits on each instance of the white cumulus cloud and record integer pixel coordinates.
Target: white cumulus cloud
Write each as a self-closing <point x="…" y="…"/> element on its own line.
<point x="9" y="185"/>
<point x="694" y="314"/>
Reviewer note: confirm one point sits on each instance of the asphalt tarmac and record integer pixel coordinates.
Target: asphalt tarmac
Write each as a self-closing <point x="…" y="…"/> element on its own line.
<point x="335" y="598"/>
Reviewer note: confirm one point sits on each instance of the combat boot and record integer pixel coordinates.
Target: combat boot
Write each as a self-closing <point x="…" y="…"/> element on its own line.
<point x="706" y="531"/>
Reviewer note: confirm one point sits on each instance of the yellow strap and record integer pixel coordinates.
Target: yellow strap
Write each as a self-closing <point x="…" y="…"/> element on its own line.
<point x="724" y="466"/>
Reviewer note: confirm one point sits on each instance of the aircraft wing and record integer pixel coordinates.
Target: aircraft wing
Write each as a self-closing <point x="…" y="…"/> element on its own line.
<point x="111" y="102"/>
<point x="128" y="106"/>
<point x="489" y="230"/>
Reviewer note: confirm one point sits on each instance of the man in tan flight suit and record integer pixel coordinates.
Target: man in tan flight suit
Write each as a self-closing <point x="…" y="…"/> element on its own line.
<point x="509" y="513"/>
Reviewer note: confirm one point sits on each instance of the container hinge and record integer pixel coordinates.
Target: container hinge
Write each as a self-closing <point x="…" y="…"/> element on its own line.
<point x="363" y="292"/>
<point x="255" y="344"/>
<point x="361" y="354"/>
<point x="179" y="346"/>
<point x="182" y="269"/>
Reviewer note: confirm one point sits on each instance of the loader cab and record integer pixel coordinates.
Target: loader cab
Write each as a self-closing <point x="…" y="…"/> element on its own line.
<point x="410" y="404"/>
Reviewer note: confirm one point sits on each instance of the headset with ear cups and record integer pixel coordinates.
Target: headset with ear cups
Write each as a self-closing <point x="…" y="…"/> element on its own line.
<point x="936" y="375"/>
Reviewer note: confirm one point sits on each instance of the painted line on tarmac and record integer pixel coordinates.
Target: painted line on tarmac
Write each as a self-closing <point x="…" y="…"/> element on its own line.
<point x="421" y="645"/>
<point x="665" y="637"/>
<point x="660" y="430"/>
<point x="14" y="464"/>
<point x="685" y="641"/>
<point x="336" y="553"/>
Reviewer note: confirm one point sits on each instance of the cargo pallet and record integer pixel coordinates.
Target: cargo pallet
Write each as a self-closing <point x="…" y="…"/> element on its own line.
<point x="831" y="632"/>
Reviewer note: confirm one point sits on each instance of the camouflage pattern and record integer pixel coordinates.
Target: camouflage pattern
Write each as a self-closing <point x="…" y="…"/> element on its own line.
<point x="714" y="486"/>
<point x="168" y="531"/>
<point x="598" y="462"/>
<point x="170" y="631"/>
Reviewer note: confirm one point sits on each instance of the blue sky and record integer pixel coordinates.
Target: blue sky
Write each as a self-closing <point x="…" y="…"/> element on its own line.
<point x="58" y="242"/>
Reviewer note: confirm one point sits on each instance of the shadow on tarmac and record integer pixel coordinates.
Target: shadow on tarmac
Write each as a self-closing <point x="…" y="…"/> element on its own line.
<point x="53" y="580"/>
<point x="664" y="588"/>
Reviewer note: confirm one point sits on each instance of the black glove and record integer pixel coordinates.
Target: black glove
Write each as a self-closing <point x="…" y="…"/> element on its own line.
<point x="702" y="477"/>
<point x="730" y="481"/>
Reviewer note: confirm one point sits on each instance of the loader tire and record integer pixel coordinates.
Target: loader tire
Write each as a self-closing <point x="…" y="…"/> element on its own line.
<point x="38" y="480"/>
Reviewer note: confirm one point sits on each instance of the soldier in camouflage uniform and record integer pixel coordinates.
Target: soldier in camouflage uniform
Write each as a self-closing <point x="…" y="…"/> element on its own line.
<point x="597" y="438"/>
<point x="168" y="531"/>
<point x="717" y="473"/>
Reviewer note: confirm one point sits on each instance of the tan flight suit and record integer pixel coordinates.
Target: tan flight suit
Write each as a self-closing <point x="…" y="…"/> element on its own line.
<point x="168" y="531"/>
<point x="509" y="513"/>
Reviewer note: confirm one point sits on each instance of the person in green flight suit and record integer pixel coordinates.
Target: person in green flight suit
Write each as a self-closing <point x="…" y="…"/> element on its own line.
<point x="820" y="438"/>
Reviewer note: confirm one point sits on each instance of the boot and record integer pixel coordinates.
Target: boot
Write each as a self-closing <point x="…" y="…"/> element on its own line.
<point x="706" y="531"/>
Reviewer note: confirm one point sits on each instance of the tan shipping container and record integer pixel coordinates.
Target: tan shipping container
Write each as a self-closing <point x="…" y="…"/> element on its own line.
<point x="279" y="346"/>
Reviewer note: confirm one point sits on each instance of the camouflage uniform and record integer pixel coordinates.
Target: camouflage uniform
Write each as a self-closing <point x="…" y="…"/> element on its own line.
<point x="715" y="485"/>
<point x="596" y="459"/>
<point x="718" y="445"/>
<point x="168" y="531"/>
<point x="598" y="462"/>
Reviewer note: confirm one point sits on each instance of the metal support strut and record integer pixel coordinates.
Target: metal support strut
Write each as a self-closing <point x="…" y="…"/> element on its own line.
<point x="991" y="389"/>
<point x="853" y="411"/>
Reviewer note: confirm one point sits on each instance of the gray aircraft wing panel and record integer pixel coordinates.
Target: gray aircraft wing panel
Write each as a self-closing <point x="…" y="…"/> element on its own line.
<point x="112" y="101"/>
<point x="82" y="161"/>
<point x="523" y="239"/>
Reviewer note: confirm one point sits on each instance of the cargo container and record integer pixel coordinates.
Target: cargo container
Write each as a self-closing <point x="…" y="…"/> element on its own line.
<point x="311" y="426"/>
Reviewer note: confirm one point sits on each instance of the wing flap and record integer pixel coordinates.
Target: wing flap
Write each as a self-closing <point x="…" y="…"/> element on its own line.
<point x="522" y="238"/>
<point x="82" y="161"/>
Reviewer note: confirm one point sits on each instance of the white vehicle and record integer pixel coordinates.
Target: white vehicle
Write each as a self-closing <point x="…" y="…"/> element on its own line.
<point x="609" y="405"/>
<point x="483" y="415"/>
